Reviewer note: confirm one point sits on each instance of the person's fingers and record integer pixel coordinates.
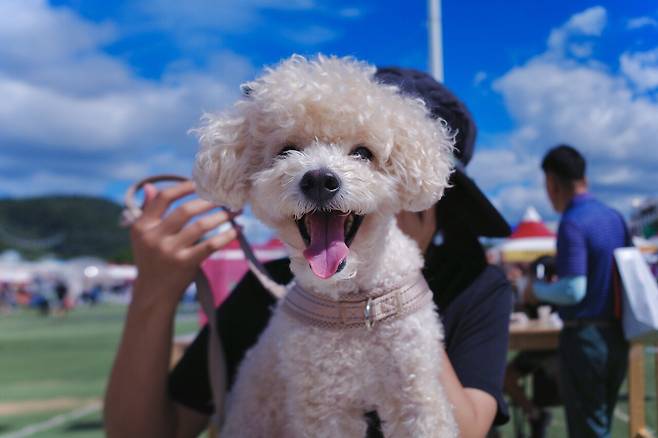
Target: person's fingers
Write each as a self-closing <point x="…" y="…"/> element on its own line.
<point x="150" y="192"/>
<point x="164" y="198"/>
<point x="182" y="214"/>
<point x="145" y="222"/>
<point x="203" y="250"/>
<point x="199" y="228"/>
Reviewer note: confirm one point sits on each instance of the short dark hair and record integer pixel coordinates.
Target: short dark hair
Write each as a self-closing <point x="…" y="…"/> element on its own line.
<point x="565" y="162"/>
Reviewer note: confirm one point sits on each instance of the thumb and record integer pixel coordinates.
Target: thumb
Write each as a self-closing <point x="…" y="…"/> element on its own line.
<point x="149" y="194"/>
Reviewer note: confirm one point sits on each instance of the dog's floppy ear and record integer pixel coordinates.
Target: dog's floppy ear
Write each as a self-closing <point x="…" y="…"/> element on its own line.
<point x="221" y="170"/>
<point x="422" y="160"/>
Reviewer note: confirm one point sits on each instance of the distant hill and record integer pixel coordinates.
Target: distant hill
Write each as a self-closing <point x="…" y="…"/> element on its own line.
<point x="66" y="226"/>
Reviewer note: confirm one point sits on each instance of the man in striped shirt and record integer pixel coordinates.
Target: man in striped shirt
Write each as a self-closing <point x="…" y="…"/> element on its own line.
<point x="593" y="352"/>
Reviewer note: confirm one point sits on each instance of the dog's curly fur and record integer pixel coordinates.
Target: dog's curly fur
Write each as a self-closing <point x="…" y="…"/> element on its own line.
<point x="301" y="380"/>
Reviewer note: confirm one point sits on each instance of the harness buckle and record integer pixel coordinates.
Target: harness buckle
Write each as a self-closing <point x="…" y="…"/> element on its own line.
<point x="367" y="314"/>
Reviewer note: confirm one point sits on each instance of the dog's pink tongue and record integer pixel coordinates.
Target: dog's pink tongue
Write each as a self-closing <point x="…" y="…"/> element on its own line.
<point x="327" y="249"/>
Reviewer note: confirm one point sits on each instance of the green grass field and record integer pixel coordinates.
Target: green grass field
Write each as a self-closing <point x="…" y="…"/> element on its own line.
<point x="58" y="366"/>
<point x="558" y="427"/>
<point x="62" y="364"/>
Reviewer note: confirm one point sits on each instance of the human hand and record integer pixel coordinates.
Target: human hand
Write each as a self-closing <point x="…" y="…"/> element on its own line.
<point x="420" y="226"/>
<point x="166" y="249"/>
<point x="528" y="294"/>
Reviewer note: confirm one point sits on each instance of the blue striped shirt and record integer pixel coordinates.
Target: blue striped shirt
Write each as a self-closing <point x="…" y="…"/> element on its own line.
<point x="589" y="232"/>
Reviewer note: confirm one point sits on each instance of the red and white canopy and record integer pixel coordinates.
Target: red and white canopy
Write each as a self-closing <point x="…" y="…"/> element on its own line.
<point x="531" y="239"/>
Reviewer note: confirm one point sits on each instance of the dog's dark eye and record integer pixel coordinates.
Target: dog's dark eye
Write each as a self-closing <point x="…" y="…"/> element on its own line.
<point x="362" y="152"/>
<point x="287" y="148"/>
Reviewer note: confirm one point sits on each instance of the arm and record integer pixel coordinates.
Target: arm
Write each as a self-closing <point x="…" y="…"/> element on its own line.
<point x="476" y="326"/>
<point x="571" y="264"/>
<point x="474" y="409"/>
<point x="167" y="256"/>
<point x="566" y="291"/>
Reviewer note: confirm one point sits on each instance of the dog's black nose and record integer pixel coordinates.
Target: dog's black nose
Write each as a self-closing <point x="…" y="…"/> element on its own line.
<point x="320" y="185"/>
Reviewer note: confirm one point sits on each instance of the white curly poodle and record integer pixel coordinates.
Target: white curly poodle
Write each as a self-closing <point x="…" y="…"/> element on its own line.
<point x="327" y="156"/>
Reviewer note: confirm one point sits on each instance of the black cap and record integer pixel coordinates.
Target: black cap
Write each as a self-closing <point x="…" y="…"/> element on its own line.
<point x="464" y="201"/>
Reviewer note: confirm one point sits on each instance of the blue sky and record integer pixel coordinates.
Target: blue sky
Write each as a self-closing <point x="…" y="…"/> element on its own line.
<point x="96" y="94"/>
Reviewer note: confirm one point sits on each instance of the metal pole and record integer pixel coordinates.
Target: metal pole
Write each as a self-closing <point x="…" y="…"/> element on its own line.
<point x="435" y="39"/>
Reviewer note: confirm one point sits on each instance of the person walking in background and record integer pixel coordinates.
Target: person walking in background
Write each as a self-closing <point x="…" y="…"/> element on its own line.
<point x="62" y="294"/>
<point x="592" y="349"/>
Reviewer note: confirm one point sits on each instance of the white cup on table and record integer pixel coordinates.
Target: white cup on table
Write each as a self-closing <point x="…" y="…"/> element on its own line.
<point x="544" y="313"/>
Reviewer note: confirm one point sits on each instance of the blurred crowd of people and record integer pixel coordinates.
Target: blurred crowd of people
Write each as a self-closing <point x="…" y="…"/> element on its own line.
<point x="51" y="296"/>
<point x="45" y="295"/>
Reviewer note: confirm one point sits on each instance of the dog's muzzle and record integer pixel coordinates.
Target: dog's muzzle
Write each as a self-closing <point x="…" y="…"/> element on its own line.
<point x="320" y="185"/>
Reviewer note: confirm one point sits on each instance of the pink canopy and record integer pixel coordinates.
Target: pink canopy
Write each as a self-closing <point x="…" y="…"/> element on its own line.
<point x="227" y="266"/>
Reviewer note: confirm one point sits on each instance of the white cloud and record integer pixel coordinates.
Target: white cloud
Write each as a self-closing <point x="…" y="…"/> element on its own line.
<point x="479" y="77"/>
<point x="47" y="182"/>
<point x="589" y="23"/>
<point x="200" y="24"/>
<point x="514" y="200"/>
<point x="641" y="68"/>
<point x="564" y="99"/>
<point x="137" y="115"/>
<point x="496" y="167"/>
<point x="69" y="94"/>
<point x="67" y="107"/>
<point x="640" y="22"/>
<point x="215" y="15"/>
<point x="52" y="33"/>
<point x="310" y="35"/>
<point x="581" y="50"/>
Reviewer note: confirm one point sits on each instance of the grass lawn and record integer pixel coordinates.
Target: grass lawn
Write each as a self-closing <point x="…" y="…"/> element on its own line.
<point x="55" y="366"/>
<point x="558" y="425"/>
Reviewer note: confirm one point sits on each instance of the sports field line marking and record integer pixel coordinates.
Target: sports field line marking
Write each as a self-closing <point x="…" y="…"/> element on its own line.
<point x="43" y="405"/>
<point x="623" y="416"/>
<point x="55" y="421"/>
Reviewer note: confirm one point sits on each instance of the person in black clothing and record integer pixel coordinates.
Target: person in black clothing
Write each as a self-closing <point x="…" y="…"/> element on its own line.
<point x="474" y="302"/>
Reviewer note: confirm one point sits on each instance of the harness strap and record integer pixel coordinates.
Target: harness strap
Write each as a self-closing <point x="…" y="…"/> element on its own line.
<point x="216" y="361"/>
<point x="365" y="312"/>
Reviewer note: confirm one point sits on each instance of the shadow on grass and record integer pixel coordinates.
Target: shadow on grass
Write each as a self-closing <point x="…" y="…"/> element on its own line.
<point x="85" y="426"/>
<point x="624" y="397"/>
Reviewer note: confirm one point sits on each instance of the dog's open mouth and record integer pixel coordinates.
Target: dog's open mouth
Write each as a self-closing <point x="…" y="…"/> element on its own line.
<point x="327" y="235"/>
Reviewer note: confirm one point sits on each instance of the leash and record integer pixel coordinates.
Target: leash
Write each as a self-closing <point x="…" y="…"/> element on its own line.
<point x="216" y="362"/>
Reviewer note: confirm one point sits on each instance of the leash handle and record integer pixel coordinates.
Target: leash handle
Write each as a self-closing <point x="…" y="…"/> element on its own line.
<point x="133" y="211"/>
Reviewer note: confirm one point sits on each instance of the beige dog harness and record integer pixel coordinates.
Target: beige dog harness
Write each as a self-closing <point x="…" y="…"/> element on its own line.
<point x="380" y="305"/>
